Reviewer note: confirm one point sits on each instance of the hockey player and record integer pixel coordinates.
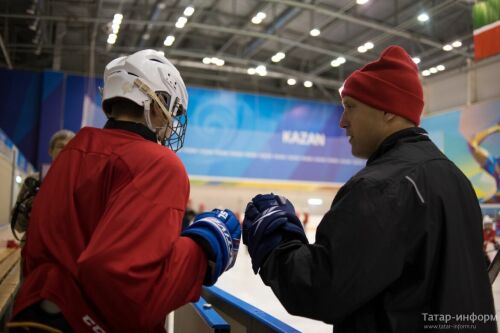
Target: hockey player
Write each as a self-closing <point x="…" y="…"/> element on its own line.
<point x="400" y="249"/>
<point x="105" y="251"/>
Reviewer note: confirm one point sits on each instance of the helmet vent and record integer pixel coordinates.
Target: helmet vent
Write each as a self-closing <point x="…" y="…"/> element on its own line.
<point x="161" y="62"/>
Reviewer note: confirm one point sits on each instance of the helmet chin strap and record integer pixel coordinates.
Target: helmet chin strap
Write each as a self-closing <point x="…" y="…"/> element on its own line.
<point x="147" y="112"/>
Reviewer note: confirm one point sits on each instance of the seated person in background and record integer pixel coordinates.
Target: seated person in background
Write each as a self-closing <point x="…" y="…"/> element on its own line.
<point x="105" y="252"/>
<point x="20" y="214"/>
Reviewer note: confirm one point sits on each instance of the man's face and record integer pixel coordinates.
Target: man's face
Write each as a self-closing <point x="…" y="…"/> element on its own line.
<point x="57" y="147"/>
<point x="363" y="125"/>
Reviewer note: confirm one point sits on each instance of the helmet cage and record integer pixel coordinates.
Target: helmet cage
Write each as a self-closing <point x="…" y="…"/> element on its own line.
<point x="174" y="112"/>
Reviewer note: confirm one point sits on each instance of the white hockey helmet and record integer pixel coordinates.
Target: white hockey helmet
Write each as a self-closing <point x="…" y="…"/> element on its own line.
<point x="146" y="77"/>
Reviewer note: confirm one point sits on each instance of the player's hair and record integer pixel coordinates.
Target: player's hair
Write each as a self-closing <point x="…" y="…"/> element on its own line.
<point x="120" y="106"/>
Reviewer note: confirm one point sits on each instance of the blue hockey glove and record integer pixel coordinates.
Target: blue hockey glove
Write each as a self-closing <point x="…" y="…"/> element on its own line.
<point x="269" y="219"/>
<point x="218" y="232"/>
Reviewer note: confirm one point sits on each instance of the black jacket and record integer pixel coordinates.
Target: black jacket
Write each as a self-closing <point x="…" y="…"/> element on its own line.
<point x="400" y="248"/>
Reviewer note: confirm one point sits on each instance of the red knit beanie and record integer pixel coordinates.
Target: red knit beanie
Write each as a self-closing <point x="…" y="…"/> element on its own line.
<point x="389" y="84"/>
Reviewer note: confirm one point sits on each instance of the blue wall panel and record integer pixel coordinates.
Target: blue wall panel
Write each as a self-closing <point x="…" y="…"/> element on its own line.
<point x="51" y="112"/>
<point x="20" y="109"/>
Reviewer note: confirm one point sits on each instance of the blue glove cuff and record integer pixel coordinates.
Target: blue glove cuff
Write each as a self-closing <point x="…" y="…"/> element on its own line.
<point x="220" y="231"/>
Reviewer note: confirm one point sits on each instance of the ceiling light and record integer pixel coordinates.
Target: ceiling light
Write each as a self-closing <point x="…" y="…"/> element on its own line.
<point x="31" y="10"/>
<point x="447" y="47"/>
<point x="213" y="60"/>
<point x="33" y="26"/>
<point x="416" y="60"/>
<point x="456" y="43"/>
<point x="146" y="36"/>
<point x="261" y="15"/>
<point x="36" y="39"/>
<point x="362" y="49"/>
<point x="433" y="70"/>
<point x="315" y="201"/>
<point x="117" y="18"/>
<point x="261" y="70"/>
<point x="115" y="27"/>
<point x="440" y="68"/>
<point x="423" y="17"/>
<point x="256" y="20"/>
<point x="19" y="179"/>
<point x="181" y="22"/>
<point x="111" y="39"/>
<point x="251" y="71"/>
<point x="308" y="84"/>
<point x="314" y="32"/>
<point x="337" y="62"/>
<point x="169" y="40"/>
<point x="162" y="6"/>
<point x="189" y="11"/>
<point x="369" y="45"/>
<point x="291" y="81"/>
<point x="426" y="72"/>
<point x="278" y="57"/>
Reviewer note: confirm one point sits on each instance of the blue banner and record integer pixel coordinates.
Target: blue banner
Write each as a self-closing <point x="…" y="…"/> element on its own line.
<point x="247" y="136"/>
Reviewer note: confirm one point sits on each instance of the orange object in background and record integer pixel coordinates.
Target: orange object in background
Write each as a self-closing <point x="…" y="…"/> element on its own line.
<point x="306" y="219"/>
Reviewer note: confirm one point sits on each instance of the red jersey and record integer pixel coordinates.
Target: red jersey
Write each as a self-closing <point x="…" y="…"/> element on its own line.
<point x="104" y="239"/>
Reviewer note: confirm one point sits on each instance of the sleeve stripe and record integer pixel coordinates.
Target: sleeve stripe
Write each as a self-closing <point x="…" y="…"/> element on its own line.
<point x="416" y="189"/>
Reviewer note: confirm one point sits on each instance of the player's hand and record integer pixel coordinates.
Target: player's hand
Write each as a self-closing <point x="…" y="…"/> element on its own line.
<point x="218" y="232"/>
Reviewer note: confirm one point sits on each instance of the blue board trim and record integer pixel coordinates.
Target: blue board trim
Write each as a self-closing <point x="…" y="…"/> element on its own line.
<point x="252" y="311"/>
<point x="213" y="319"/>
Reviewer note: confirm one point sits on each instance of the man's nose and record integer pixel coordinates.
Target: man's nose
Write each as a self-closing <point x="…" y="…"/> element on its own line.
<point x="342" y="122"/>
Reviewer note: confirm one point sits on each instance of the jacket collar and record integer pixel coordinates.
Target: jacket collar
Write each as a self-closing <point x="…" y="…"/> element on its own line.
<point x="136" y="128"/>
<point x="411" y="134"/>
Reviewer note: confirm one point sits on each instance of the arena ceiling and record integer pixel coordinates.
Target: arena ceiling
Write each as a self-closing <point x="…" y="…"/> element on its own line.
<point x="73" y="35"/>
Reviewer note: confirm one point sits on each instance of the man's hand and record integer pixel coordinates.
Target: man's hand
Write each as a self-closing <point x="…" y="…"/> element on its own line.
<point x="269" y="220"/>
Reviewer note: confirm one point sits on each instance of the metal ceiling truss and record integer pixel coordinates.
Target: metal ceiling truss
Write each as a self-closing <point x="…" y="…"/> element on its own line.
<point x="376" y="31"/>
